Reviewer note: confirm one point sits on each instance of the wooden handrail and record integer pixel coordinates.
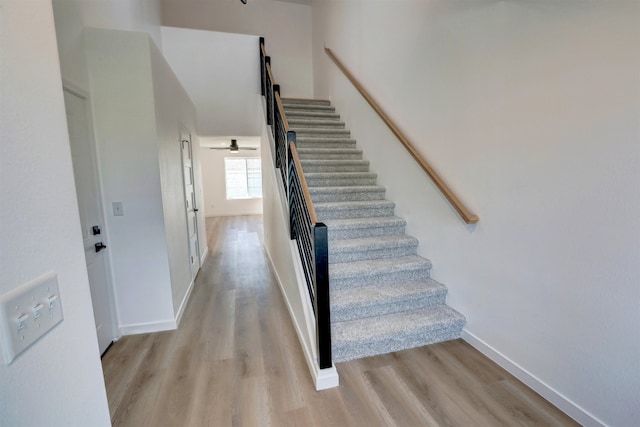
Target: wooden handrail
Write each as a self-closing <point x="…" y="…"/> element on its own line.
<point x="282" y="114"/>
<point x="264" y="52"/>
<point x="270" y="74"/>
<point x="462" y="210"/>
<point x="303" y="182"/>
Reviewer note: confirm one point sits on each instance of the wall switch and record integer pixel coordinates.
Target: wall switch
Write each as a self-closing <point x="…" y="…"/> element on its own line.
<point x="118" y="209"/>
<point x="27" y="313"/>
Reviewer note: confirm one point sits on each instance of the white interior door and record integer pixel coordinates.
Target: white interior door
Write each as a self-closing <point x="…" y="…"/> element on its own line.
<point x="91" y="214"/>
<point x="190" y="202"/>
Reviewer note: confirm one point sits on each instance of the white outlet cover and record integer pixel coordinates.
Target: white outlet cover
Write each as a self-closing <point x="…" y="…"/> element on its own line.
<point x="38" y="305"/>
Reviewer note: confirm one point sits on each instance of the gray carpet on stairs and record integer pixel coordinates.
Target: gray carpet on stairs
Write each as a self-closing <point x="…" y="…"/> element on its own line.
<point x="383" y="298"/>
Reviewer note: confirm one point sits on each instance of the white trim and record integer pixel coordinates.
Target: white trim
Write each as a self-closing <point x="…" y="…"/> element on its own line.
<point x="557" y="399"/>
<point x="145" y="328"/>
<point x="204" y="256"/>
<point x="322" y="378"/>
<point x="184" y="302"/>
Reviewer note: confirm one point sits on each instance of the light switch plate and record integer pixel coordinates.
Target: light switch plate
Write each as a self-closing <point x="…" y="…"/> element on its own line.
<point x="27" y="313"/>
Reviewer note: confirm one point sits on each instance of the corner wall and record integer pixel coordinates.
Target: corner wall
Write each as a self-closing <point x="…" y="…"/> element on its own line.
<point x="174" y="110"/>
<point x="221" y="74"/>
<point x="285" y="26"/>
<point x="123" y="103"/>
<point x="529" y="110"/>
<point x="58" y="381"/>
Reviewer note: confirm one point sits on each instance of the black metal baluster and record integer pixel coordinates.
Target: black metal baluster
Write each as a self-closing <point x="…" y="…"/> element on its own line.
<point x="262" y="66"/>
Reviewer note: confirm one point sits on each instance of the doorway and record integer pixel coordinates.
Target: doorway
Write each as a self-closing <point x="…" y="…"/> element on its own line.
<point x="85" y="172"/>
<point x="190" y="200"/>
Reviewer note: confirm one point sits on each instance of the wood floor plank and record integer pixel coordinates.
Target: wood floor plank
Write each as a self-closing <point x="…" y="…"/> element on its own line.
<point x="235" y="360"/>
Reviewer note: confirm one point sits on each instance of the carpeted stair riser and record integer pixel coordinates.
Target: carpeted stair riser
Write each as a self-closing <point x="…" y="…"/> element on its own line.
<point x="382" y="296"/>
<point x="369" y="227"/>
<point x="321" y="132"/>
<point x="361" y="209"/>
<point x="311" y="115"/>
<point x="329" y="154"/>
<point x="373" y="301"/>
<point x="343" y="194"/>
<point x="378" y="272"/>
<point x="340" y="179"/>
<point x="345" y="351"/>
<point x="348" y="250"/>
<point x="309" y="109"/>
<point x="294" y="101"/>
<point x="334" y="165"/>
<point x="325" y="143"/>
<point x="315" y="124"/>
<point x="394" y="332"/>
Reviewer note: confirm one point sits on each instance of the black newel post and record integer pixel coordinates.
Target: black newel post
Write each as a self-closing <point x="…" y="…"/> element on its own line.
<point x="321" y="279"/>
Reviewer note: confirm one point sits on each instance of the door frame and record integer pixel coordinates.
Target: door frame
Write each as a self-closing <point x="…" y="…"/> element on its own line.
<point x="185" y="133"/>
<point x="95" y="159"/>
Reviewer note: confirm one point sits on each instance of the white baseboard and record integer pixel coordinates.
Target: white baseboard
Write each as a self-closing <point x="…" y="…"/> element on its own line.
<point x="145" y="328"/>
<point x="539" y="386"/>
<point x="184" y="302"/>
<point x="322" y="378"/>
<point x="204" y="255"/>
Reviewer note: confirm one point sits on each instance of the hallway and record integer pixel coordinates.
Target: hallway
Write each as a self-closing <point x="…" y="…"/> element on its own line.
<point x="236" y="360"/>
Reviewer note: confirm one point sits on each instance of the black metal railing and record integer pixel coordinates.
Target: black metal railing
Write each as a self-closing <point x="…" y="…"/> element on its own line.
<point x="309" y="233"/>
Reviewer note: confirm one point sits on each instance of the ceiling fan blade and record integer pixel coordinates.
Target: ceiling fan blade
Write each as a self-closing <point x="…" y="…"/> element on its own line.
<point x="247" y="148"/>
<point x="218" y="148"/>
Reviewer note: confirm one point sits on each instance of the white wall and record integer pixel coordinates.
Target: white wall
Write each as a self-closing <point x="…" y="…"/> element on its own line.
<point x="285" y="26"/>
<point x="130" y="15"/>
<point x="72" y="16"/>
<point x="174" y="109"/>
<point x="214" y="184"/>
<point x="221" y="73"/>
<point x="58" y="381"/>
<point x="125" y="127"/>
<point x="530" y="111"/>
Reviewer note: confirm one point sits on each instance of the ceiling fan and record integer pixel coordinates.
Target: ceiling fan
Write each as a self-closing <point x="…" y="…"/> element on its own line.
<point x="233" y="147"/>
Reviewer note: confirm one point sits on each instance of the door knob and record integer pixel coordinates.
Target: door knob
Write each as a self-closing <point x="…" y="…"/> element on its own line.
<point x="100" y="246"/>
<point x="195" y="210"/>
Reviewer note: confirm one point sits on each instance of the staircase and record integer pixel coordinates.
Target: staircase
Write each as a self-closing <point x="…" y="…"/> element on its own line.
<point x="382" y="296"/>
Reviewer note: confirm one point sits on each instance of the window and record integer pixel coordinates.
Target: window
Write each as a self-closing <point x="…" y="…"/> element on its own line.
<point x="243" y="177"/>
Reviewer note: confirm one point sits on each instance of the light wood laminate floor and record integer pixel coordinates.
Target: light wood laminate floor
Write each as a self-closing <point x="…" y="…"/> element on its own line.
<point x="235" y="360"/>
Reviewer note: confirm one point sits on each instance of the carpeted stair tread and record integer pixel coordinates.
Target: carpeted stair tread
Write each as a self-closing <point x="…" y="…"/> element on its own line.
<point x="369" y="301"/>
<point x="354" y="209"/>
<point x="303" y="101"/>
<point x="377" y="267"/>
<point x="315" y="123"/>
<point x="358" y="249"/>
<point x="333" y="179"/>
<point x="356" y="192"/>
<point x="308" y="108"/>
<point x="334" y="165"/>
<point x="394" y="332"/>
<point x="325" y="132"/>
<point x="372" y="243"/>
<point x="330" y="153"/>
<point x="320" y="140"/>
<point x="311" y="115"/>
<point x="354" y="223"/>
